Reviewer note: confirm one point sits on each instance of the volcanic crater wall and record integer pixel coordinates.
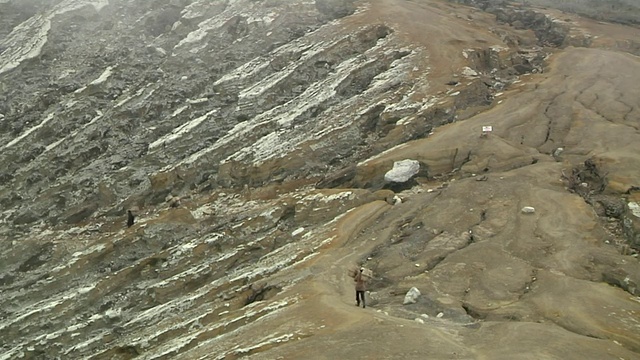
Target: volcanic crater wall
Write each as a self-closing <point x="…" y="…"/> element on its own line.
<point x="251" y="140"/>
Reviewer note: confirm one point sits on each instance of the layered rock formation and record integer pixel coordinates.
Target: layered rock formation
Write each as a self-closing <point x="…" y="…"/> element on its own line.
<point x="251" y="139"/>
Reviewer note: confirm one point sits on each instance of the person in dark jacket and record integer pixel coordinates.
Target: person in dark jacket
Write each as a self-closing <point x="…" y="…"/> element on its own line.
<point x="361" y="287"/>
<point x="130" y="218"/>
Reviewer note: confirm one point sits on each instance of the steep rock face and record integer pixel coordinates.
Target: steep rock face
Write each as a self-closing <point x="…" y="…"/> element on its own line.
<point x="112" y="112"/>
<point x="251" y="140"/>
<point x="547" y="31"/>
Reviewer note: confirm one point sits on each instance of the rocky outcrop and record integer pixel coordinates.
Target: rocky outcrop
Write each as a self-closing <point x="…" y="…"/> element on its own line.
<point x="631" y="223"/>
<point x="619" y="11"/>
<point x="548" y="31"/>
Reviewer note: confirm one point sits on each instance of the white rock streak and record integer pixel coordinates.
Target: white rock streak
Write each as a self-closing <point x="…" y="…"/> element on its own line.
<point x="246" y="70"/>
<point x="268" y="83"/>
<point x="278" y="122"/>
<point x="101" y="79"/>
<point x="24" y="42"/>
<point x="283" y="116"/>
<point x="206" y="26"/>
<point x="185" y="314"/>
<point x="98" y="116"/>
<point x="27" y="39"/>
<point x="181" y="130"/>
<point x="29" y="131"/>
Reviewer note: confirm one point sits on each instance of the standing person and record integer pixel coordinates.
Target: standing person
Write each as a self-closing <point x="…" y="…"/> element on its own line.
<point x="130" y="218"/>
<point x="360" y="280"/>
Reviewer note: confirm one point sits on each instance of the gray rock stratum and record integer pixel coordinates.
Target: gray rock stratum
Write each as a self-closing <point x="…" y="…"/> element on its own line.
<point x="251" y="139"/>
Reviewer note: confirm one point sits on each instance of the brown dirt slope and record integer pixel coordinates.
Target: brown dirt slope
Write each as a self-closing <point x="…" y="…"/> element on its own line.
<point x="532" y="285"/>
<point x="525" y="286"/>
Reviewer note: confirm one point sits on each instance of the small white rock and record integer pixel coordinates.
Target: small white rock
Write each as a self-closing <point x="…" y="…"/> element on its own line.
<point x="418" y="320"/>
<point x="528" y="210"/>
<point x="440" y="315"/>
<point x="467" y="71"/>
<point x="557" y="152"/>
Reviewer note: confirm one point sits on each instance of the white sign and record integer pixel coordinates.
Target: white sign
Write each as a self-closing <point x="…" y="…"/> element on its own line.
<point x="487" y="128"/>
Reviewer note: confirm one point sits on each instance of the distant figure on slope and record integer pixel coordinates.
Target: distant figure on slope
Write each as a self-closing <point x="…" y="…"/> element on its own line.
<point x="361" y="286"/>
<point x="130" y="218"/>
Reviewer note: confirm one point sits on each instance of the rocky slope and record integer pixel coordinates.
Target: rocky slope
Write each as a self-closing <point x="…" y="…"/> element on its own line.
<point x="254" y="142"/>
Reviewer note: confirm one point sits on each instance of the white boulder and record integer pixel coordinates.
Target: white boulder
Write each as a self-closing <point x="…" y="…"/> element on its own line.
<point x="412" y="296"/>
<point x="402" y="171"/>
<point x="528" y="210"/>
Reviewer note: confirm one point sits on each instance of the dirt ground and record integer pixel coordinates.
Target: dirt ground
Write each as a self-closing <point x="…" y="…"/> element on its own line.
<point x="532" y="283"/>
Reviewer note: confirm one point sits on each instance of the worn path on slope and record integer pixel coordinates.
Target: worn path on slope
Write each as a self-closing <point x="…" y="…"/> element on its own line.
<point x="348" y="331"/>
